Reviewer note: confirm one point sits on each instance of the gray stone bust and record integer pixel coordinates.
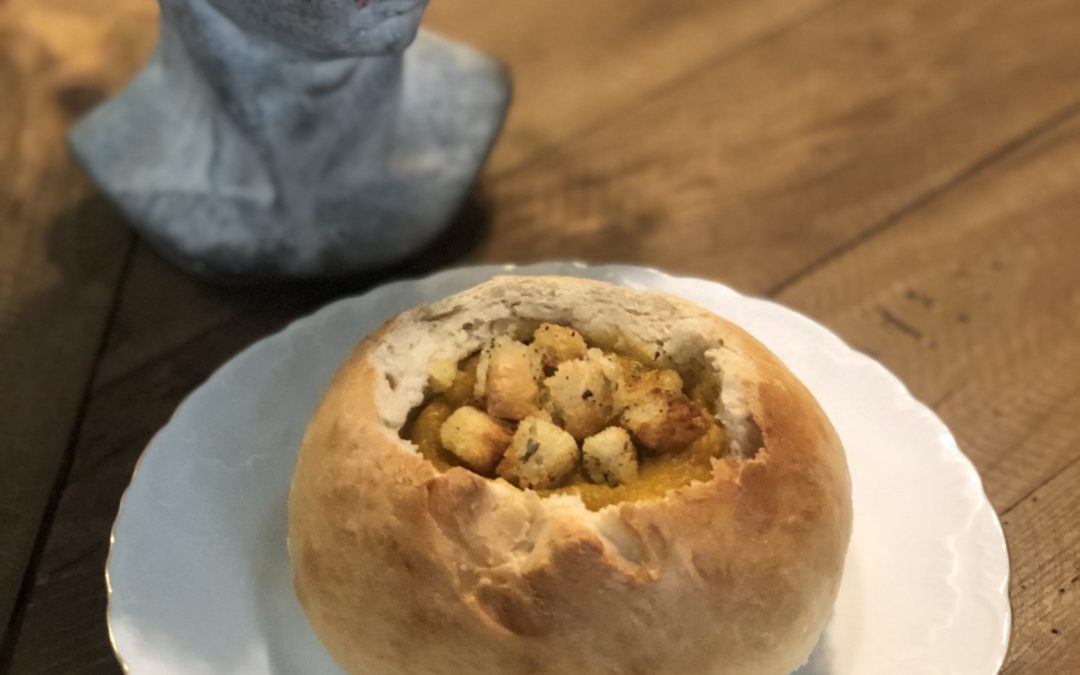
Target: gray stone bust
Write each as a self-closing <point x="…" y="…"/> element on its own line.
<point x="295" y="138"/>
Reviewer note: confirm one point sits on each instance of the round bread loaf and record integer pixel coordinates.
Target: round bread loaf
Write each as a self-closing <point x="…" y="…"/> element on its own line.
<point x="403" y="567"/>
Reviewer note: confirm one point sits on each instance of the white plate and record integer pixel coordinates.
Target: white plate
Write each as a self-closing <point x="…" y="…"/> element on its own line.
<point x="200" y="578"/>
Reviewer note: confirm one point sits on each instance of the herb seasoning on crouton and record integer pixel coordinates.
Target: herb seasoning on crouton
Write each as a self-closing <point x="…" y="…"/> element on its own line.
<point x="549" y="412"/>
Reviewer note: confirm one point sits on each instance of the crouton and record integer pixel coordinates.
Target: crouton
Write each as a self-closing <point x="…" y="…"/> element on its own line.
<point x="424" y="431"/>
<point x="555" y="344"/>
<point x="475" y="438"/>
<point x="668" y="380"/>
<point x="541" y="455"/>
<point x="441" y="374"/>
<point x="664" y="421"/>
<point x="580" y="394"/>
<point x="609" y="457"/>
<point x="617" y="342"/>
<point x="511" y="376"/>
<point x="712" y="443"/>
<point x="453" y="381"/>
<point x="461" y="391"/>
<point x="635" y="383"/>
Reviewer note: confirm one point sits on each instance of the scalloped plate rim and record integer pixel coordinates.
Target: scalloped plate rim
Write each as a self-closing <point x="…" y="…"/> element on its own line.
<point x="997" y="575"/>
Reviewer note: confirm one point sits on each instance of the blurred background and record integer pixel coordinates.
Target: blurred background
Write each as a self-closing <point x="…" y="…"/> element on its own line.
<point x="907" y="172"/>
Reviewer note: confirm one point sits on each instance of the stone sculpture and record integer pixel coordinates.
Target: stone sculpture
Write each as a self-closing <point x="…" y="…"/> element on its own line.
<point x="295" y="138"/>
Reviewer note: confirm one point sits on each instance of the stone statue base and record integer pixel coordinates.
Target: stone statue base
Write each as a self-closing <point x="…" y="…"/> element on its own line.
<point x="363" y="176"/>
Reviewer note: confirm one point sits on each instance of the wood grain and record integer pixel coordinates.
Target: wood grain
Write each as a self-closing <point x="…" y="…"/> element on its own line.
<point x="1044" y="542"/>
<point x="142" y="323"/>
<point x="584" y="63"/>
<point x="974" y="301"/>
<point x="752" y="171"/>
<point x="119" y="422"/>
<point x="144" y="328"/>
<point x="61" y="255"/>
<point x="557" y="97"/>
<point x="904" y="171"/>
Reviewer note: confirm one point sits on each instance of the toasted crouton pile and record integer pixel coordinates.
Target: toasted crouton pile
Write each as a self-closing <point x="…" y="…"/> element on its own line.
<point x="554" y="414"/>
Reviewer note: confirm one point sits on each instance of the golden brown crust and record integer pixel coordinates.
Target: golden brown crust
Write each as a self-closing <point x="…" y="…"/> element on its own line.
<point x="402" y="569"/>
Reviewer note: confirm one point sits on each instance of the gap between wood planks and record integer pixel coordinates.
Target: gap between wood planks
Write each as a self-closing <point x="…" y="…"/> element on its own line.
<point x="976" y="168"/>
<point x="11" y="631"/>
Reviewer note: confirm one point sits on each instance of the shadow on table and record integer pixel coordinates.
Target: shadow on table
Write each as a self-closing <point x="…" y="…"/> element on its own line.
<point x="469" y="229"/>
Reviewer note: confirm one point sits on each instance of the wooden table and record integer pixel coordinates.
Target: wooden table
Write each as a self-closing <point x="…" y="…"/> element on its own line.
<point x="906" y="172"/>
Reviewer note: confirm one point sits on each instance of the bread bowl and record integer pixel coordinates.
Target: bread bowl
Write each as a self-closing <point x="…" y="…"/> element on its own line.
<point x="720" y="555"/>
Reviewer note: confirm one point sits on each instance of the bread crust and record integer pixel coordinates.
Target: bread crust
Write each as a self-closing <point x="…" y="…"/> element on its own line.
<point x="405" y="569"/>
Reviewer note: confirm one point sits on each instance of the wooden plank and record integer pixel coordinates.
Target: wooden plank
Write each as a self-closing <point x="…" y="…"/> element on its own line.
<point x="61" y="256"/>
<point x="974" y="301"/>
<point x="913" y="270"/>
<point x="143" y="323"/>
<point x="145" y="328"/>
<point x="1044" y="544"/>
<point x="578" y="64"/>
<point x="554" y="52"/>
<point x="752" y="171"/>
<point x="126" y="409"/>
<point x="64" y="626"/>
<point x="802" y="162"/>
